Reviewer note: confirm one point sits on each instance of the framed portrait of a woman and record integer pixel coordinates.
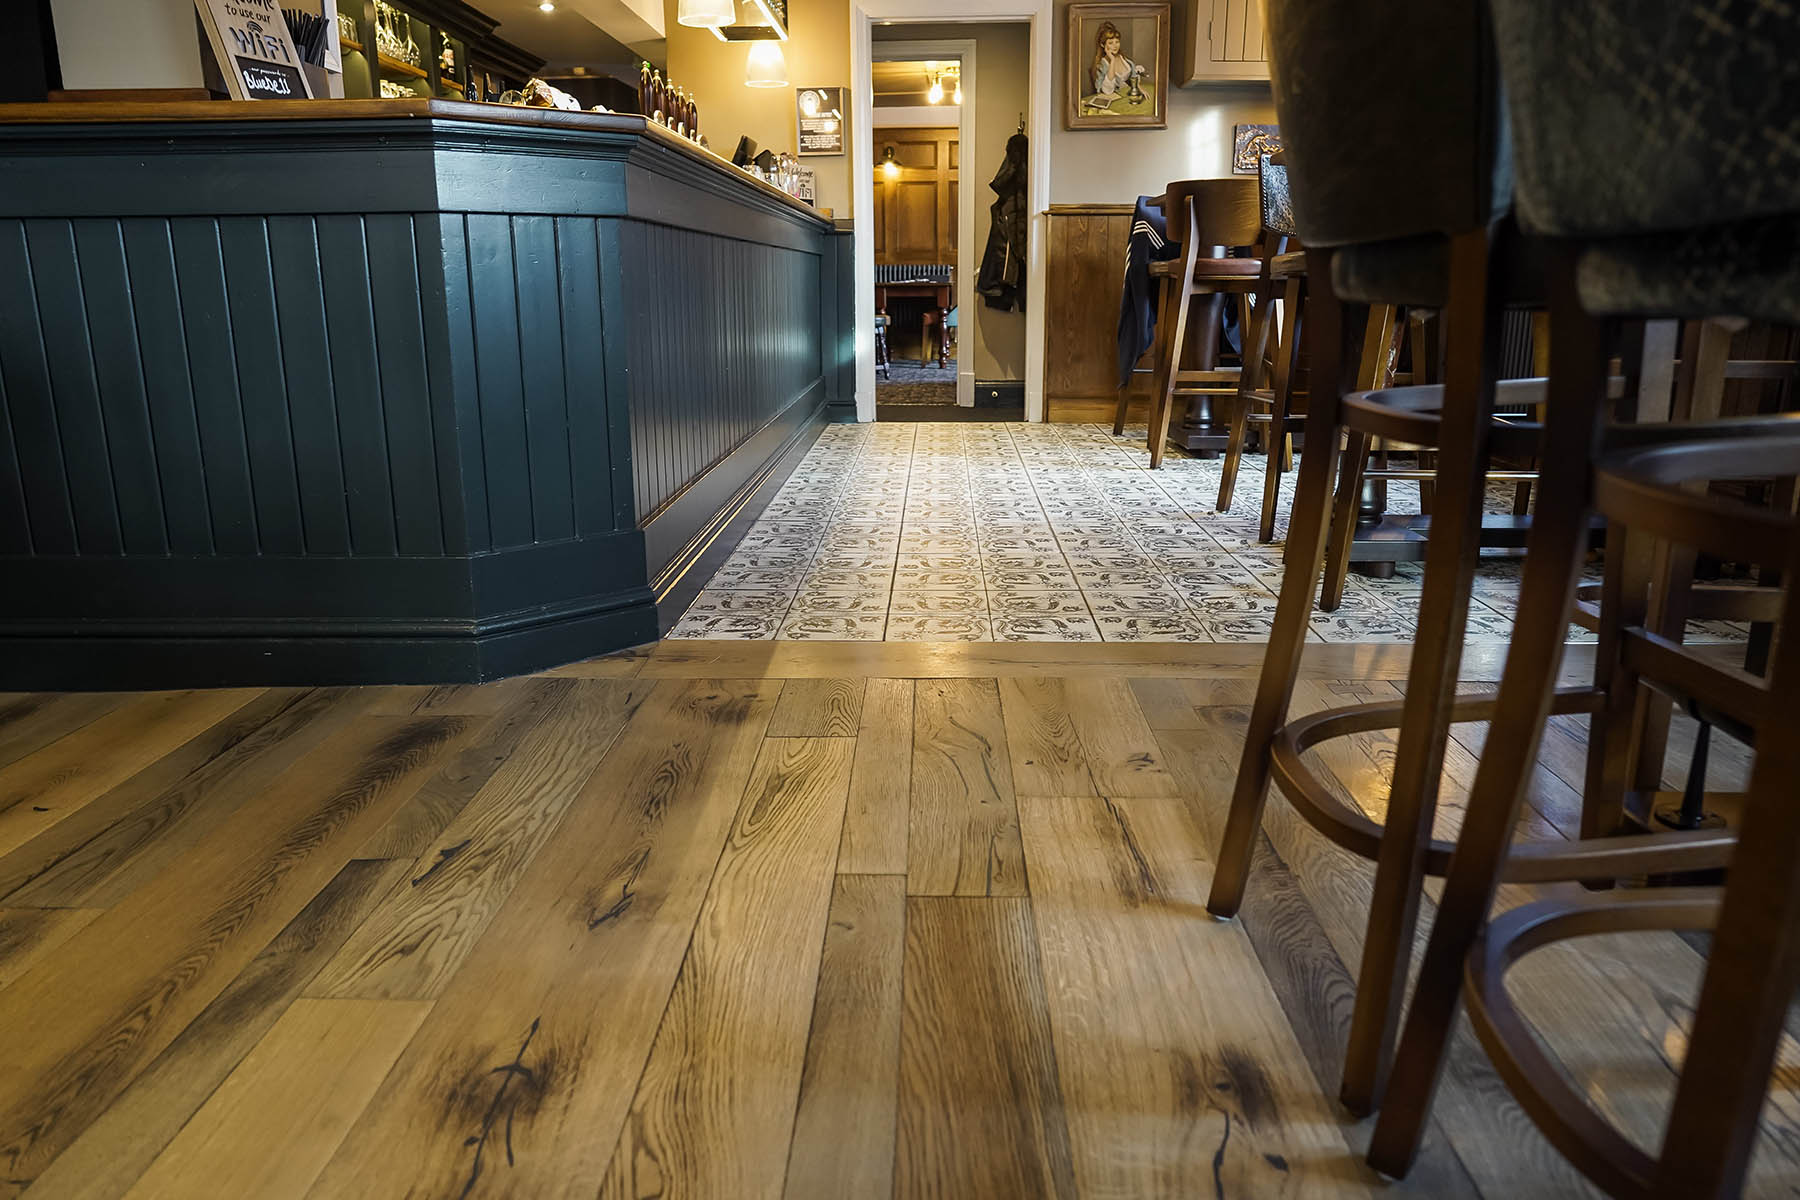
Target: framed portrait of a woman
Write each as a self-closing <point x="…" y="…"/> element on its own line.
<point x="1118" y="67"/>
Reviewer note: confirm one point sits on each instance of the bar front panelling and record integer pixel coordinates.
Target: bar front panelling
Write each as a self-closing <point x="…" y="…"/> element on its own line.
<point x="720" y="347"/>
<point x="233" y="386"/>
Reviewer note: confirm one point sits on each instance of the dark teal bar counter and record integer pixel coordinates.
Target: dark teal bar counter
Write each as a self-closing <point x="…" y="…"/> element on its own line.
<point x="380" y="391"/>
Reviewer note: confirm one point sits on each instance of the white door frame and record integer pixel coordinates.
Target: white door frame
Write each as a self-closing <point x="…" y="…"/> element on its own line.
<point x="962" y="50"/>
<point x="863" y="15"/>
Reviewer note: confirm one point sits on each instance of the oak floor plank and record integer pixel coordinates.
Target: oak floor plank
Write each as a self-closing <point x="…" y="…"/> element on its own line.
<point x="1498" y="1145"/>
<point x="963" y="830"/>
<point x="28" y="934"/>
<point x="1046" y="753"/>
<point x="818" y="708"/>
<point x="1167" y="1099"/>
<point x="981" y="1112"/>
<point x="53" y="783"/>
<point x="412" y="830"/>
<point x="30" y="722"/>
<point x="397" y="701"/>
<point x="82" y="1024"/>
<point x="714" y="1109"/>
<point x="687" y="659"/>
<point x="113" y="1151"/>
<point x="518" y="1082"/>
<point x="875" y="820"/>
<point x="419" y="934"/>
<point x="622" y="664"/>
<point x="275" y="1120"/>
<point x="1169" y="702"/>
<point x="126" y="837"/>
<point x="1121" y="751"/>
<point x="1317" y="991"/>
<point x="474" y="699"/>
<point x="844" y="1129"/>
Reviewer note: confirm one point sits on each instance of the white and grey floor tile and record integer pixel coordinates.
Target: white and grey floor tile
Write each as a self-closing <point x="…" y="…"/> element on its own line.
<point x="1013" y="532"/>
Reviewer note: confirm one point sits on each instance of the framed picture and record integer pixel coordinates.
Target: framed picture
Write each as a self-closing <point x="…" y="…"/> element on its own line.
<point x="1249" y="143"/>
<point x="1117" y="76"/>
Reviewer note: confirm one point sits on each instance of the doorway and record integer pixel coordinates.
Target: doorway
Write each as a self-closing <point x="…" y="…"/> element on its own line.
<point x="924" y="115"/>
<point x="918" y="37"/>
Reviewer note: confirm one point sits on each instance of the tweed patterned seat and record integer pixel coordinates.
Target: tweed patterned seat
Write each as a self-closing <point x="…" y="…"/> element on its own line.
<point x="1667" y="138"/>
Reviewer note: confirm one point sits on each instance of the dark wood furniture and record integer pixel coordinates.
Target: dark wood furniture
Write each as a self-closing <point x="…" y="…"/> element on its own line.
<point x="1648" y="480"/>
<point x="381" y="391"/>
<point x="1284" y="281"/>
<point x="934" y="332"/>
<point x="1208" y="216"/>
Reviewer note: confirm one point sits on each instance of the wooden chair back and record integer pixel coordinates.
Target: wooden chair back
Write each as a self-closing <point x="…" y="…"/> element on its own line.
<point x="1210" y="215"/>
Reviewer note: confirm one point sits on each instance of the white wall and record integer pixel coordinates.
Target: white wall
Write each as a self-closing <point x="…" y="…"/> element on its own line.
<point x="127" y="43"/>
<point x="1115" y="166"/>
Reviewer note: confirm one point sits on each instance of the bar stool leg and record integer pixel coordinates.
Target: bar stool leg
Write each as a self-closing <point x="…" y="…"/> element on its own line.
<point x="1170" y="378"/>
<point x="1256" y="343"/>
<point x="1346" y="508"/>
<point x="1334" y="323"/>
<point x="1751" y="976"/>
<point x="1171" y="331"/>
<point x="1450" y="558"/>
<point x="1287" y="363"/>
<point x="1553" y="565"/>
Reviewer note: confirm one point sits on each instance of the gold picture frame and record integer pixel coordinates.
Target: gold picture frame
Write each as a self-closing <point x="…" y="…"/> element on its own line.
<point x="1117" y="73"/>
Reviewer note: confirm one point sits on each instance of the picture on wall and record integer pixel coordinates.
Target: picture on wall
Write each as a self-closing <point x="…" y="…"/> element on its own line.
<point x="1249" y="143"/>
<point x="1117" y="76"/>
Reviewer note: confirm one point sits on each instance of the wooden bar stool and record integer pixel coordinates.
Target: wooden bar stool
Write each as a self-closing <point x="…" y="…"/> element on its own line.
<point x="1430" y="237"/>
<point x="1209" y="216"/>
<point x="1283" y="278"/>
<point x="1649" y="220"/>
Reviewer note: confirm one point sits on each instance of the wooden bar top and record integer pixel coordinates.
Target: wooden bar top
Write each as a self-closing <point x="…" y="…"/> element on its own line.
<point x="129" y="113"/>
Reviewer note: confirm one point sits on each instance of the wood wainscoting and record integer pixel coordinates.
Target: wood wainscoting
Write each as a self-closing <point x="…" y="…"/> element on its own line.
<point x="1085" y="275"/>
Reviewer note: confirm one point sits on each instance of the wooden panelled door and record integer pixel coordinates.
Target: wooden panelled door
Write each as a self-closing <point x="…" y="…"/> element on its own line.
<point x="915" y="211"/>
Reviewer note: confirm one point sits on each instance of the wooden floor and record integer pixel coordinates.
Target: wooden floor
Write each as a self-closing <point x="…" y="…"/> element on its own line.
<point x="740" y="920"/>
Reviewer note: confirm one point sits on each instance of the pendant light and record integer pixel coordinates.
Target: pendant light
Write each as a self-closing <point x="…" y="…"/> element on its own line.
<point x="936" y="94"/>
<point x="767" y="66"/>
<point x="707" y="14"/>
<point x="956" y="96"/>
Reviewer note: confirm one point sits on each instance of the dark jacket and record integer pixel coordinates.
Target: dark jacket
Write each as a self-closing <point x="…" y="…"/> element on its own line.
<point x="1137" y="307"/>
<point x="1001" y="280"/>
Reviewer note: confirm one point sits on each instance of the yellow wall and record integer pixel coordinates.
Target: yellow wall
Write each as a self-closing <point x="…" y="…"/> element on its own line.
<point x="818" y="55"/>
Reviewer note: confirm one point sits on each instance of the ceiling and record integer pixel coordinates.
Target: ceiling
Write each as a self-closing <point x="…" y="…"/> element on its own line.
<point x="563" y="38"/>
<point x="905" y="84"/>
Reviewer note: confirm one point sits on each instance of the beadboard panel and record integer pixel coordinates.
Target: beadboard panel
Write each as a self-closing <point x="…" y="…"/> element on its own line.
<point x="247" y="444"/>
<point x="721" y="346"/>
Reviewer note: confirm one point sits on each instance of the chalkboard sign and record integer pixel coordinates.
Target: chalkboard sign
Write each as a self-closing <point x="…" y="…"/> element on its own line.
<point x="821" y="115"/>
<point x="250" y="41"/>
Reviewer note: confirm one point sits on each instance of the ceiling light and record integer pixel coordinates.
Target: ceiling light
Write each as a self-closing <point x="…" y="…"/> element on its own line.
<point x="889" y="167"/>
<point x="546" y="6"/>
<point x="767" y="66"/>
<point x="707" y="14"/>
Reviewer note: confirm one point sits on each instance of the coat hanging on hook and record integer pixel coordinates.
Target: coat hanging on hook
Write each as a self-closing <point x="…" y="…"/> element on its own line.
<point x="1002" y="278"/>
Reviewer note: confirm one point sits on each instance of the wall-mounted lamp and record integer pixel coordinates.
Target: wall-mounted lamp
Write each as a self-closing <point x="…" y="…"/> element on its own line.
<point x="936" y="94"/>
<point x="956" y="97"/>
<point x="707" y="14"/>
<point x="767" y="65"/>
<point x="889" y="168"/>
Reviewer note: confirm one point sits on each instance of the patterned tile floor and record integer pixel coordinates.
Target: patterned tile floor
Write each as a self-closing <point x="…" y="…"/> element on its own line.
<point x="1027" y="532"/>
